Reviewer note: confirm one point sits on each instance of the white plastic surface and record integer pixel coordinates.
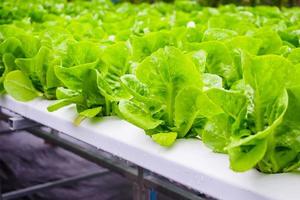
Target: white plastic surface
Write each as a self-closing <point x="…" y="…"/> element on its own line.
<point x="188" y="162"/>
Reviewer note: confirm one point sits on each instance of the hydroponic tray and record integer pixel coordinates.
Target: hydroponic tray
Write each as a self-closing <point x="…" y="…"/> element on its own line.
<point x="188" y="162"/>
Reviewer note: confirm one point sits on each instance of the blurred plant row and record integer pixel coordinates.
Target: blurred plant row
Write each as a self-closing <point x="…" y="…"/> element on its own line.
<point x="279" y="3"/>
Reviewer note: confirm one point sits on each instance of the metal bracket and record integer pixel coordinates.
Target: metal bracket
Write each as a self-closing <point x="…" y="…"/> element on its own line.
<point x="18" y="123"/>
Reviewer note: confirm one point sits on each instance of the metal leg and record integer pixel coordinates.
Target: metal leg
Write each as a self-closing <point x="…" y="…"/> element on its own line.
<point x="38" y="188"/>
<point x="139" y="191"/>
<point x="135" y="191"/>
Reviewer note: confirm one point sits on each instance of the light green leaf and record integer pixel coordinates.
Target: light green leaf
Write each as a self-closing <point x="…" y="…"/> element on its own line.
<point x="89" y="113"/>
<point x="72" y="77"/>
<point x="199" y="59"/>
<point x="213" y="34"/>
<point x="217" y="132"/>
<point x="65" y="102"/>
<point x="90" y="90"/>
<point x="165" y="139"/>
<point x="64" y="93"/>
<point x="245" y="43"/>
<point x="294" y="56"/>
<point x="246" y="152"/>
<point x="271" y="42"/>
<point x="267" y="75"/>
<point x="147" y="44"/>
<point x="115" y="56"/>
<point x="165" y="73"/>
<point x="137" y="115"/>
<point x="282" y="155"/>
<point x="247" y="156"/>
<point x="137" y="89"/>
<point x="189" y="104"/>
<point x="80" y="53"/>
<point x="20" y="87"/>
<point x="231" y="102"/>
<point x="212" y="81"/>
<point x="219" y="60"/>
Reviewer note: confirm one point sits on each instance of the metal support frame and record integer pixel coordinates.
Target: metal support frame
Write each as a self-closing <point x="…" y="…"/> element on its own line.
<point x="134" y="174"/>
<point x="41" y="187"/>
<point x="16" y="123"/>
<point x="145" y="184"/>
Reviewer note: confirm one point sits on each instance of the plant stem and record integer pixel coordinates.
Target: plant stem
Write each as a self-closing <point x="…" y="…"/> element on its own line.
<point x="107" y="107"/>
<point x="170" y="104"/>
<point x="258" y="112"/>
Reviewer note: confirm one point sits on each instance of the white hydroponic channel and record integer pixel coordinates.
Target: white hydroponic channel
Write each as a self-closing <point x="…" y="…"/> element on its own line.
<point x="188" y="162"/>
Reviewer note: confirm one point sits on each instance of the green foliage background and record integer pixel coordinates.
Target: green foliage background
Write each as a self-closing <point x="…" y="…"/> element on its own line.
<point x="237" y="2"/>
